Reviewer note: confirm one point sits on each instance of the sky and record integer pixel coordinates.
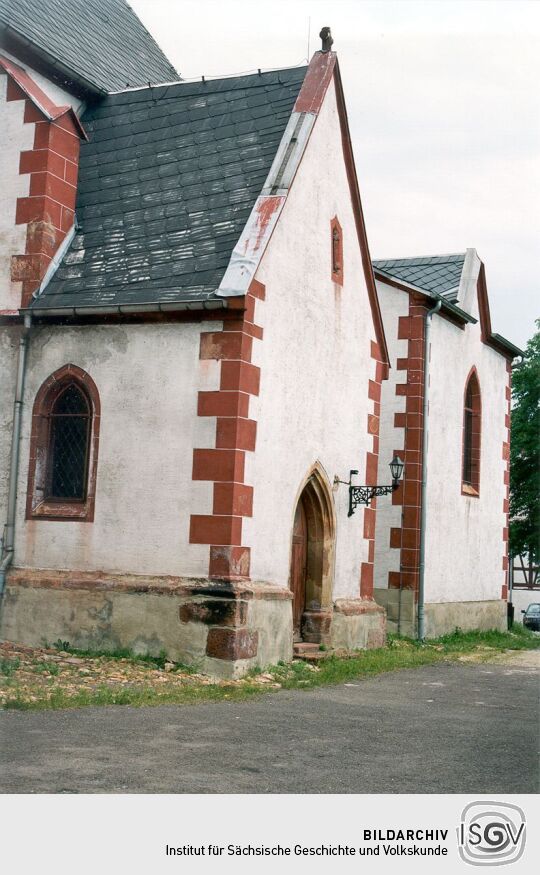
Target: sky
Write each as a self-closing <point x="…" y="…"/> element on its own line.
<point x="444" y="111"/>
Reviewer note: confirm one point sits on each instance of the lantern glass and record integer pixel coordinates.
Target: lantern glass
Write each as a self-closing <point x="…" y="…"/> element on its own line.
<point x="396" y="468"/>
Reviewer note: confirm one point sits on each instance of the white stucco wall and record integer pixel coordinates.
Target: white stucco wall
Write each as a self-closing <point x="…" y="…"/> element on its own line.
<point x="14" y="137"/>
<point x="464" y="544"/>
<point x="464" y="541"/>
<point x="393" y="304"/>
<point x="148" y="377"/>
<point x="315" y="364"/>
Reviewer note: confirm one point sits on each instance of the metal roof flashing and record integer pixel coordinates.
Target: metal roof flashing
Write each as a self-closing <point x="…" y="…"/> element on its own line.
<point x="42" y="102"/>
<point x="247" y="253"/>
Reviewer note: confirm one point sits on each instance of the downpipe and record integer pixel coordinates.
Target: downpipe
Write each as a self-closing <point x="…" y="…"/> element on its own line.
<point x="423" y="492"/>
<point x="9" y="537"/>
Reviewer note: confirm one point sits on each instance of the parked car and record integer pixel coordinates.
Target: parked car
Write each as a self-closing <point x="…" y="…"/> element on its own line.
<point x="531" y="617"/>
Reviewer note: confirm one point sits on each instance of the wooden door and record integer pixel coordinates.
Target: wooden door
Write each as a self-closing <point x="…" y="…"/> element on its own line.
<point x="298" y="569"/>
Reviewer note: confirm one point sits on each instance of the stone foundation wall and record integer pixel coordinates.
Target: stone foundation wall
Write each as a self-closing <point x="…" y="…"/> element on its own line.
<point x="222" y="629"/>
<point x="444" y="617"/>
<point x="441" y="618"/>
<point x="358" y="624"/>
<point x="400" y="610"/>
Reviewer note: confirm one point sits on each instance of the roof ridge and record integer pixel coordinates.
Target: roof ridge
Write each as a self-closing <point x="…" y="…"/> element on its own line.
<point x="204" y="80"/>
<point x="422" y="257"/>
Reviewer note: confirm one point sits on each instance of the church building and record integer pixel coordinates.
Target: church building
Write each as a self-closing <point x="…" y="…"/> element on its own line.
<point x="201" y="367"/>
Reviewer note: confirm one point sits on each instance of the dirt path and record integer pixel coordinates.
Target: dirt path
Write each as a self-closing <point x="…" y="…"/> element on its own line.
<point x="529" y="659"/>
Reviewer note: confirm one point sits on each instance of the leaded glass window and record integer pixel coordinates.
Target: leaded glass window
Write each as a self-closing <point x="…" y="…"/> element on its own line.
<point x="69" y="435"/>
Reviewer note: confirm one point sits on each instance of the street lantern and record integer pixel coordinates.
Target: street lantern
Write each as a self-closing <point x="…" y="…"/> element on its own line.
<point x="396" y="468"/>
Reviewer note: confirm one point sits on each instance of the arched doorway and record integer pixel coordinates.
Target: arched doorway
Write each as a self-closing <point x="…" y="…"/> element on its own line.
<point x="299" y="568"/>
<point x="312" y="560"/>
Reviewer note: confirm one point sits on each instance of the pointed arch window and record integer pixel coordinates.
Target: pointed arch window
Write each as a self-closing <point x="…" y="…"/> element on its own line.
<point x="472" y="422"/>
<point x="63" y="447"/>
<point x="336" y="251"/>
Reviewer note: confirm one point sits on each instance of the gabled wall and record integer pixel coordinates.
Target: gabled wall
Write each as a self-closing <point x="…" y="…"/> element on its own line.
<point x="316" y="367"/>
<point x="466" y="535"/>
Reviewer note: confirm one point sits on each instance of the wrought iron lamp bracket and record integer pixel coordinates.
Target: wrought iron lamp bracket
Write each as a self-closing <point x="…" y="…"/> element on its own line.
<point x="366" y="494"/>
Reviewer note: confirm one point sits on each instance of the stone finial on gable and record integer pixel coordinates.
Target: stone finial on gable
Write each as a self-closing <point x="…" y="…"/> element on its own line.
<point x="327" y="41"/>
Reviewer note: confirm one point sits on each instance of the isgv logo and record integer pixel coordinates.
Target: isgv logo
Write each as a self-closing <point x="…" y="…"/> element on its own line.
<point x="491" y="833"/>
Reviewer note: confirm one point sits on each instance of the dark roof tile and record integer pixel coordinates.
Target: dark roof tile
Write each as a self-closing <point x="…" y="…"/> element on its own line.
<point x="100" y="41"/>
<point x="163" y="196"/>
<point x="439" y="274"/>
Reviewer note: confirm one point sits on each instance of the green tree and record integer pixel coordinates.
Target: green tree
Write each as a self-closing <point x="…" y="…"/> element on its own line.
<point x="525" y="453"/>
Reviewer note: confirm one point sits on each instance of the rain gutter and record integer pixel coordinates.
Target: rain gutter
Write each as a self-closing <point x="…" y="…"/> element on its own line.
<point x="148" y="307"/>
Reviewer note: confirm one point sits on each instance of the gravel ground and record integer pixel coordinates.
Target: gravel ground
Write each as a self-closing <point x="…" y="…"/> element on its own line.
<point x="36" y="673"/>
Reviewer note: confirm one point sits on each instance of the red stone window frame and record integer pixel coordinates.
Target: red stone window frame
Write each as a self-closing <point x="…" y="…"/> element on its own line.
<point x="38" y="505"/>
<point x="336" y="251"/>
<point x="472" y="428"/>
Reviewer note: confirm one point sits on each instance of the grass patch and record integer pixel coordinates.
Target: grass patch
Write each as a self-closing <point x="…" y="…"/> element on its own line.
<point x="134" y="696"/>
<point x="518" y="638"/>
<point x="400" y="653"/>
<point x="362" y="663"/>
<point x="51" y="668"/>
<point x="9" y="666"/>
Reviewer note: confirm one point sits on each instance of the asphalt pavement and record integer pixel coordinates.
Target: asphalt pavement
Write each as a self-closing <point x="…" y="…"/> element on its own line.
<point x="451" y="728"/>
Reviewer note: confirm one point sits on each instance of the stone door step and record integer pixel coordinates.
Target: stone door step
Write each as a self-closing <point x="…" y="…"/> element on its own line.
<point x="305" y="647"/>
<point x="309" y="652"/>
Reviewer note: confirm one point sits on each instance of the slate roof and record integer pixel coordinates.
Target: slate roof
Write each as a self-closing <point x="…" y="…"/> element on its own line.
<point x="439" y="274"/>
<point x="101" y="41"/>
<point x="166" y="184"/>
